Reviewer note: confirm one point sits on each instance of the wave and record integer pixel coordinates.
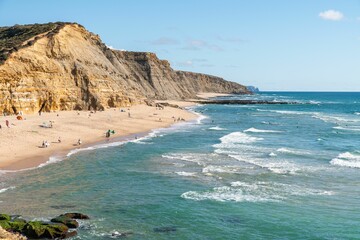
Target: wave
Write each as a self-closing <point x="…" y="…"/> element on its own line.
<point x="217" y="128"/>
<point x="234" y="139"/>
<point x="272" y="154"/>
<point x="278" y="167"/>
<point x="254" y="130"/>
<point x="6" y="189"/>
<point x="347" y="159"/>
<point x="347" y="128"/>
<point x="199" y="159"/>
<point x="293" y="151"/>
<point x="357" y="113"/>
<point x="186" y="174"/>
<point x="220" y="169"/>
<point x="287" y="112"/>
<point x="254" y="192"/>
<point x="335" y="118"/>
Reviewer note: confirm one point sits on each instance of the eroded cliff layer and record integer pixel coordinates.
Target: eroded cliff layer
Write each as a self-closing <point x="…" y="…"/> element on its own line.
<point x="62" y="66"/>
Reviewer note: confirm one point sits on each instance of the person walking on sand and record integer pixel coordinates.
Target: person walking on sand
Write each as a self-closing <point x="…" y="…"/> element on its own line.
<point x="79" y="142"/>
<point x="7" y="123"/>
<point x="43" y="144"/>
<point x="59" y="140"/>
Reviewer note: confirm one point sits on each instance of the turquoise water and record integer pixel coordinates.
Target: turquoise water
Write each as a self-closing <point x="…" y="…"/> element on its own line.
<point x="239" y="172"/>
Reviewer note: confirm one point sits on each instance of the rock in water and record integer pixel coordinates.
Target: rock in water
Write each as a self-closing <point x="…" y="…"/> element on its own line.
<point x="165" y="229"/>
<point x="76" y="216"/>
<point x="70" y="223"/>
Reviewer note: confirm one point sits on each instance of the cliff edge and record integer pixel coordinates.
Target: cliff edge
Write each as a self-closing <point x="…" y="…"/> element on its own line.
<point x="62" y="66"/>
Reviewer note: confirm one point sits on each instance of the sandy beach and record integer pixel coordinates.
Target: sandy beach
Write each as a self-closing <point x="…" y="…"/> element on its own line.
<point x="21" y="142"/>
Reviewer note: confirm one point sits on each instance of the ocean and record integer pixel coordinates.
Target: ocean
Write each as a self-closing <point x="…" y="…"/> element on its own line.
<point x="238" y="172"/>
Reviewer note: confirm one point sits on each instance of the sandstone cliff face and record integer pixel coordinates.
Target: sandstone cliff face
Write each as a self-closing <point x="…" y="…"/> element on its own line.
<point x="70" y="68"/>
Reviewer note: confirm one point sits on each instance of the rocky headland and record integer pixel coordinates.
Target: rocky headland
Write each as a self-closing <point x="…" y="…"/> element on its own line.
<point x="62" y="66"/>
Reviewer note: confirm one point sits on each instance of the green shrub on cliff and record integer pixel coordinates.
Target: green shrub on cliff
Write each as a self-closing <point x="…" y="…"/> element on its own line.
<point x="12" y="38"/>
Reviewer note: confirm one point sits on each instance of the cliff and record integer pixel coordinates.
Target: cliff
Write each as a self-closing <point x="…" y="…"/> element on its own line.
<point x="62" y="66"/>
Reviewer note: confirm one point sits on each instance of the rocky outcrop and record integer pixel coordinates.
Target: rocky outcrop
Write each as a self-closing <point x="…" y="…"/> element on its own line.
<point x="58" y="228"/>
<point x="252" y="89"/>
<point x="62" y="66"/>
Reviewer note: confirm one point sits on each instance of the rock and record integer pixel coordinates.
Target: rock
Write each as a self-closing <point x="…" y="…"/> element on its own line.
<point x="76" y="216"/>
<point x="10" y="236"/>
<point x="253" y="89"/>
<point x="56" y="229"/>
<point x="165" y="229"/>
<point x="62" y="66"/>
<point x="5" y="217"/>
<point x="5" y="224"/>
<point x="36" y="229"/>
<point x="17" y="225"/>
<point x="117" y="234"/>
<point x="70" y="223"/>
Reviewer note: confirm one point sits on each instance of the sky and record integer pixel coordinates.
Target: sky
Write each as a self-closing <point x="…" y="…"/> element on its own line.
<point x="276" y="45"/>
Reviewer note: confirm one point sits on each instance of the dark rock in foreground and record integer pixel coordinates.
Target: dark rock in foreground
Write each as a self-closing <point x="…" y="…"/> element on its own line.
<point x="58" y="228"/>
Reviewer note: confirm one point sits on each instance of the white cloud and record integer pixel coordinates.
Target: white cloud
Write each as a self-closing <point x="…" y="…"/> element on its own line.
<point x="331" y="15"/>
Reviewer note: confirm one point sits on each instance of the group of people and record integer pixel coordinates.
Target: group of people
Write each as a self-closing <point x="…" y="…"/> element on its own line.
<point x="178" y="119"/>
<point x="46" y="144"/>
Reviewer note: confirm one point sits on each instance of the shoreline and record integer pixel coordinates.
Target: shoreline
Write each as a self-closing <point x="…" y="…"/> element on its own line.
<point x="27" y="153"/>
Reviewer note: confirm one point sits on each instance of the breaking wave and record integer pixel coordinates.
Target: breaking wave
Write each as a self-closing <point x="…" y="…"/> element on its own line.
<point x="254" y="192"/>
<point x="254" y="130"/>
<point x="347" y="159"/>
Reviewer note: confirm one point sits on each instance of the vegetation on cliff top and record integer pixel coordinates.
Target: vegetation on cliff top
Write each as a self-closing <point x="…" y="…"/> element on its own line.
<point x="13" y="38"/>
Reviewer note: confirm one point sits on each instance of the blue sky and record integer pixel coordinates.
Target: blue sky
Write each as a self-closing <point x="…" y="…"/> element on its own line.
<point x="283" y="45"/>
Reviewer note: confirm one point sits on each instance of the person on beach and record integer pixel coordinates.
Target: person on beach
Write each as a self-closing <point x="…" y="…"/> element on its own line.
<point x="43" y="144"/>
<point x="129" y="115"/>
<point x="79" y="142"/>
<point x="108" y="133"/>
<point x="59" y="140"/>
<point x="7" y="123"/>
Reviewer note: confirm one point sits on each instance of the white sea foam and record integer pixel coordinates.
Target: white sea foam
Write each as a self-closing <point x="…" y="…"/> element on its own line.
<point x="286" y="112"/>
<point x="357" y="113"/>
<point x="347" y="128"/>
<point x="278" y="166"/>
<point x="234" y="139"/>
<point x="188" y="157"/>
<point x="220" y="169"/>
<point x="272" y="154"/>
<point x="335" y="118"/>
<point x="217" y="128"/>
<point x="50" y="161"/>
<point x="347" y="159"/>
<point x="186" y="174"/>
<point x="293" y="151"/>
<point x="254" y="130"/>
<point x="6" y="189"/>
<point x="254" y="192"/>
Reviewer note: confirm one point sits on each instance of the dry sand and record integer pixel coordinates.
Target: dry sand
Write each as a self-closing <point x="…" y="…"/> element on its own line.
<point x="21" y="144"/>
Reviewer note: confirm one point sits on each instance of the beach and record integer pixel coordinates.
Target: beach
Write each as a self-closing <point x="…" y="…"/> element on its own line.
<point x="21" y="143"/>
